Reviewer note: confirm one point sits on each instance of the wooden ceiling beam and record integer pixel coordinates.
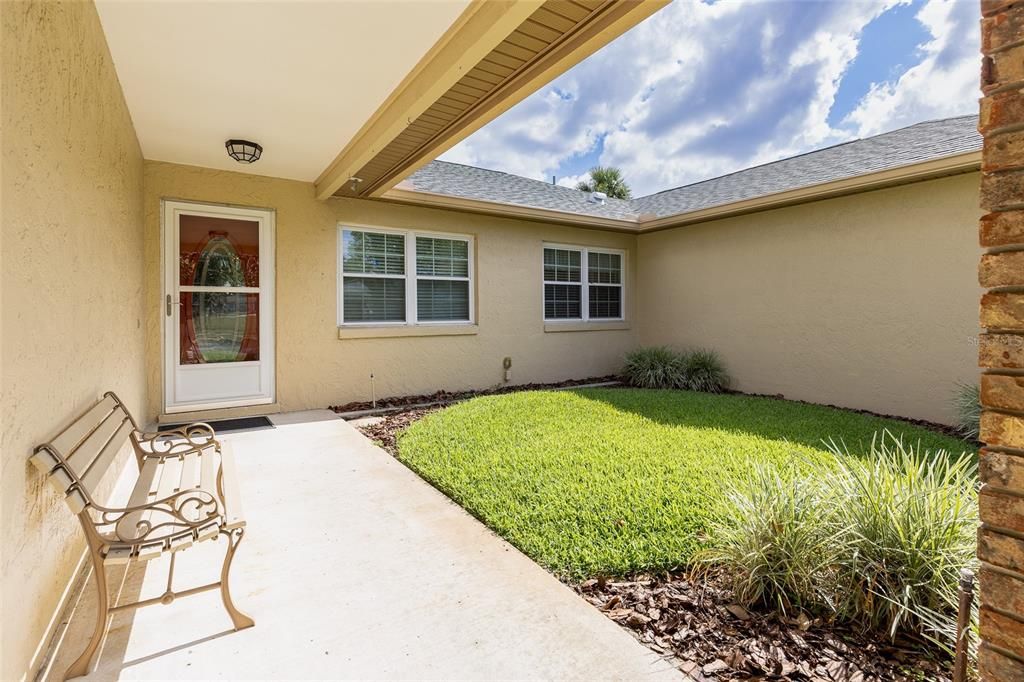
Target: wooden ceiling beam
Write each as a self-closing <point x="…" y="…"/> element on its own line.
<point x="607" y="21"/>
<point x="482" y="26"/>
<point x="495" y="55"/>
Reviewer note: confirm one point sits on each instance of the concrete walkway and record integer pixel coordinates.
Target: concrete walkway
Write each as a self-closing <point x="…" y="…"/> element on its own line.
<point x="353" y="567"/>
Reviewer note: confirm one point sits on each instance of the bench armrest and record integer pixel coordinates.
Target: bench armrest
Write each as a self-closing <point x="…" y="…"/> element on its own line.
<point x="186" y="510"/>
<point x="176" y="442"/>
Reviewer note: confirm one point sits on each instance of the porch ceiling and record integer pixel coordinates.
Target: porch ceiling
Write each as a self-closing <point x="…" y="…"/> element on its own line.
<point x="300" y="78"/>
<point x="390" y="84"/>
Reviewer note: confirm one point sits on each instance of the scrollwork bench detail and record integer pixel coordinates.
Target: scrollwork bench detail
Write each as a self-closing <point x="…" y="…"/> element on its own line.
<point x="186" y="492"/>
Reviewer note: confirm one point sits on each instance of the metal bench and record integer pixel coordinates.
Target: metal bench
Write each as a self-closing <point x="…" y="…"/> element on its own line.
<point x="186" y="492"/>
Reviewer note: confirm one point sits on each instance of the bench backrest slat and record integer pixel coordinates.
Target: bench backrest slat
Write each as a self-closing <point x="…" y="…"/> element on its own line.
<point x="99" y="467"/>
<point x="71" y="437"/>
<point x="88" y="447"/>
<point x="82" y="457"/>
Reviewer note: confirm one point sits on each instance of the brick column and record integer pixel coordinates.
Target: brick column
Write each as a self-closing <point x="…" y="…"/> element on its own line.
<point x="1001" y="347"/>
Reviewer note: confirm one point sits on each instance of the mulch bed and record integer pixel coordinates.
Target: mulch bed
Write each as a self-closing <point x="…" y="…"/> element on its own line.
<point x="446" y="397"/>
<point x="712" y="638"/>
<point x="385" y="432"/>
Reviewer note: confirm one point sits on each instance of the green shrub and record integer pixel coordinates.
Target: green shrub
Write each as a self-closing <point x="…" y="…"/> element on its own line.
<point x="654" y="367"/>
<point x="911" y="519"/>
<point x="778" y="542"/>
<point x="703" y="371"/>
<point x="967" y="407"/>
<point x="662" y="367"/>
<point x="877" y="541"/>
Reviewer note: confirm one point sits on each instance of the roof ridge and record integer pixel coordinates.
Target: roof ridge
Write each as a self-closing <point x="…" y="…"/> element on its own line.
<point x="499" y="172"/>
<point x="523" y="177"/>
<point x="802" y="154"/>
<point x="929" y="140"/>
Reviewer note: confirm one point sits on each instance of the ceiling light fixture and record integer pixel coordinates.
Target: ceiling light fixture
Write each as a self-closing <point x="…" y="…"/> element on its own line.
<point x="243" y="151"/>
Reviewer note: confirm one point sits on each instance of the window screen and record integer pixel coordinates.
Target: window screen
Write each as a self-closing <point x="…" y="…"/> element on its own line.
<point x="604" y="274"/>
<point x="373" y="267"/>
<point x="442" y="279"/>
<point x="378" y="253"/>
<point x="374" y="300"/>
<point x="563" y="288"/>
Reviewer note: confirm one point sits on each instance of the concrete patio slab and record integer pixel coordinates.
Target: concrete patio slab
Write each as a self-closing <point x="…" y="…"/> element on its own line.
<point x="353" y="567"/>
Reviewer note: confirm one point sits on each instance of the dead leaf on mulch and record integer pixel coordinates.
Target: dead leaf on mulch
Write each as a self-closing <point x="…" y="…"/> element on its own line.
<point x="637" y="620"/>
<point x="715" y="666"/>
<point x="738" y="611"/>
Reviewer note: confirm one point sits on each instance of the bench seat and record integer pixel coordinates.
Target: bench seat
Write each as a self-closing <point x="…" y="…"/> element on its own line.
<point x="163" y="476"/>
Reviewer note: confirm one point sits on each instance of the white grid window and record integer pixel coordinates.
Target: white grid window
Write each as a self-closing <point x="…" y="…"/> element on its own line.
<point x="563" y="287"/>
<point x="400" y="277"/>
<point x="442" y="279"/>
<point x="568" y="295"/>
<point x="373" y="284"/>
<point x="604" y="277"/>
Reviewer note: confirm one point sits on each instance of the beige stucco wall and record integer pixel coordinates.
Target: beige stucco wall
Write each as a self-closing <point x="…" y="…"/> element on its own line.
<point x="71" y="285"/>
<point x="316" y="369"/>
<point x="867" y="301"/>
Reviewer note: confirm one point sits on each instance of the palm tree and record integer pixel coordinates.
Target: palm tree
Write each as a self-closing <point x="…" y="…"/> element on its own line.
<point x="607" y="179"/>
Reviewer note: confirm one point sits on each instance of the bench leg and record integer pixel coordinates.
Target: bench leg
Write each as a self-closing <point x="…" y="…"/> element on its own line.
<point x="240" y="620"/>
<point x="99" y="574"/>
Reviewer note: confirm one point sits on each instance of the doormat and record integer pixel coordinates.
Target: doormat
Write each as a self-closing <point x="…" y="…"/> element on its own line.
<point x="225" y="425"/>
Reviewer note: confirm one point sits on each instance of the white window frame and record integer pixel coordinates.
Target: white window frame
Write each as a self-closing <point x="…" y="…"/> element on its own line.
<point x="410" y="276"/>
<point x="584" y="283"/>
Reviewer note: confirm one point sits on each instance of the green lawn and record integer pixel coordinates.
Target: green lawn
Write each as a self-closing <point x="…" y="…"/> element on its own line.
<point x="612" y="481"/>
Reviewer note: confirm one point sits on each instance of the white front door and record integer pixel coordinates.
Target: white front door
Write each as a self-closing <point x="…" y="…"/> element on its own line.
<point x="218" y="306"/>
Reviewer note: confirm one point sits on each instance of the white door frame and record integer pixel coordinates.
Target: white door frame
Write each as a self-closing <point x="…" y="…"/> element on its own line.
<point x="170" y="336"/>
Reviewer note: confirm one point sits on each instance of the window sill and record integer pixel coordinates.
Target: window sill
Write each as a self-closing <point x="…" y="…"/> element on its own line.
<point x="406" y="330"/>
<point x="585" y="326"/>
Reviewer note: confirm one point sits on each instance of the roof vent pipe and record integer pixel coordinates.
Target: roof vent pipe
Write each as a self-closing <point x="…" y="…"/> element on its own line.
<point x="598" y="197"/>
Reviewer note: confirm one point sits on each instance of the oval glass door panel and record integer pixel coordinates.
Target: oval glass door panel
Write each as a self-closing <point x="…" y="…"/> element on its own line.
<point x="219" y="327"/>
<point x="219" y="265"/>
<point x="218" y="262"/>
<point x="218" y="252"/>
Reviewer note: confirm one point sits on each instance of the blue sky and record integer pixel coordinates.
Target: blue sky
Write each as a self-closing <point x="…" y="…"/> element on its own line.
<point x="706" y="88"/>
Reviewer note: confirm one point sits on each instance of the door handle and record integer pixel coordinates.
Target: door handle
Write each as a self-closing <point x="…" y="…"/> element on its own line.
<point x="170" y="303"/>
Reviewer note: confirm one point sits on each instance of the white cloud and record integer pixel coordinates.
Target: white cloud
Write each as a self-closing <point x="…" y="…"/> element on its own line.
<point x="943" y="83"/>
<point x="700" y="90"/>
<point x="573" y="180"/>
<point x="773" y="102"/>
<point x="530" y="140"/>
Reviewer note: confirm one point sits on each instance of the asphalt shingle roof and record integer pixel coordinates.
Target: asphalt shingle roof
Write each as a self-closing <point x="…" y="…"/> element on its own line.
<point x="469" y="182"/>
<point x="918" y="143"/>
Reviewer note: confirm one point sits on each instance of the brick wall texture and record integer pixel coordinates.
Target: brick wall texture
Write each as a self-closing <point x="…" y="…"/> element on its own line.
<point x="1001" y="346"/>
